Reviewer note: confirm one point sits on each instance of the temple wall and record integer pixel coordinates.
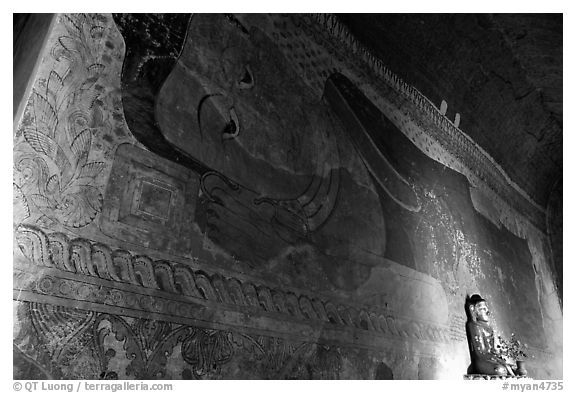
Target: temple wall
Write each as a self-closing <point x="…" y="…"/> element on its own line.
<point x="189" y="203"/>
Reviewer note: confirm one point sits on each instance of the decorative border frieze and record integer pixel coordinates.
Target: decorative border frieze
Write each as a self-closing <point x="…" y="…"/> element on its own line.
<point x="88" y="271"/>
<point x="64" y="342"/>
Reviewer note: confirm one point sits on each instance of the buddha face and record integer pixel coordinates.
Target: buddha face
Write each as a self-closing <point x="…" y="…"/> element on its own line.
<point x="481" y="310"/>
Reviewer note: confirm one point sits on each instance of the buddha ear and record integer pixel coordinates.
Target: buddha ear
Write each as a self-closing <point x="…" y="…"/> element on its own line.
<point x="471" y="309"/>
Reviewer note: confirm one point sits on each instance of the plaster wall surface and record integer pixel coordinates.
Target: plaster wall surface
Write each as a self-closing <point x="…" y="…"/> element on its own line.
<point x="30" y="31"/>
<point x="188" y="206"/>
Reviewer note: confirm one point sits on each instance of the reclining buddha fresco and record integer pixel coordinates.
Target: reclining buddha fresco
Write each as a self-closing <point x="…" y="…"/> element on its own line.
<point x="236" y="197"/>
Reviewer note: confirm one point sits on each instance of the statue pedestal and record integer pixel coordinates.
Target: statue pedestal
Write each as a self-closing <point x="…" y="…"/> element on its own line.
<point x="492" y="377"/>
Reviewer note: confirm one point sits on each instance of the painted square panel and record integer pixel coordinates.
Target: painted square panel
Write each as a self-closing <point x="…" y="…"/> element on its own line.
<point x="150" y="201"/>
<point x="153" y="200"/>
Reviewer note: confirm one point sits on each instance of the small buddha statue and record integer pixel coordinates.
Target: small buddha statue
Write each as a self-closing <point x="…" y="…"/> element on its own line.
<point x="481" y="340"/>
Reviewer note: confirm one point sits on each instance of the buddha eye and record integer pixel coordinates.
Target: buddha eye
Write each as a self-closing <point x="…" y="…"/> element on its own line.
<point x="247" y="80"/>
<point x="232" y="129"/>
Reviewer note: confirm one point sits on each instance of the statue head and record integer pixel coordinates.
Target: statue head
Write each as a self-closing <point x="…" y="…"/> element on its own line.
<point x="478" y="308"/>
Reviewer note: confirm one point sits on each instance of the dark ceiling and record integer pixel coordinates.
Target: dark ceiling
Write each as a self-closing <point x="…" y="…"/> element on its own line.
<point x="502" y="73"/>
